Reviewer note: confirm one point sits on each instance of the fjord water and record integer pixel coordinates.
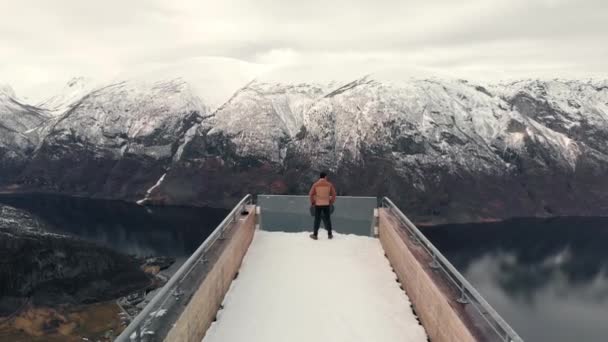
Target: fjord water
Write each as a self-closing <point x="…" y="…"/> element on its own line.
<point x="547" y="277"/>
<point x="125" y="227"/>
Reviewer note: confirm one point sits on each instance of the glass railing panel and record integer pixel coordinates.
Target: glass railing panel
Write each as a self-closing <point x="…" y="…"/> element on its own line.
<point x="352" y="215"/>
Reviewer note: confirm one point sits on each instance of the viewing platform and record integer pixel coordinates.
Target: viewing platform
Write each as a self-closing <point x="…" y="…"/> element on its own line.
<point x="259" y="277"/>
<point x="291" y="288"/>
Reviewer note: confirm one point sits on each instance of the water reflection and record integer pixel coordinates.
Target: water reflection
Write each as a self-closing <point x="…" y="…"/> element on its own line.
<point x="547" y="277"/>
<point x="126" y="227"/>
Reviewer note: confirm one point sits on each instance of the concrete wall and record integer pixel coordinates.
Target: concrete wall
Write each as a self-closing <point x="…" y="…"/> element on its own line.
<point x="436" y="312"/>
<point x="202" y="308"/>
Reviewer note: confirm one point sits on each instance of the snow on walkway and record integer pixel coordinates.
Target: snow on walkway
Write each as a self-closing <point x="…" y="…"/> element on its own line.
<point x="291" y="288"/>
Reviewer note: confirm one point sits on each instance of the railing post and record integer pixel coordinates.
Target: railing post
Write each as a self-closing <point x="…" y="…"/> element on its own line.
<point x="434" y="264"/>
<point x="463" y="296"/>
<point x="375" y="222"/>
<point x="413" y="237"/>
<point x="177" y="293"/>
<point x="258" y="217"/>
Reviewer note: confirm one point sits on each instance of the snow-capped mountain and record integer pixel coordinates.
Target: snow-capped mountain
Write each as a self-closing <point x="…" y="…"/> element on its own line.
<point x="444" y="149"/>
<point x="114" y="138"/>
<point x="73" y="91"/>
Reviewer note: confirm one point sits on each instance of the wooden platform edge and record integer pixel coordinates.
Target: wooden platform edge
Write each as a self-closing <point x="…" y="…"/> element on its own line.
<point x="202" y="309"/>
<point x="440" y="320"/>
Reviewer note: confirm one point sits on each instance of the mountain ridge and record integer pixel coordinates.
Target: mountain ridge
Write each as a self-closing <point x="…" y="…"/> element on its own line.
<point x="461" y="151"/>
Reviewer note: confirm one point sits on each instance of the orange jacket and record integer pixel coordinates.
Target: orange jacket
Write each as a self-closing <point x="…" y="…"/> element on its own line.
<point x="322" y="193"/>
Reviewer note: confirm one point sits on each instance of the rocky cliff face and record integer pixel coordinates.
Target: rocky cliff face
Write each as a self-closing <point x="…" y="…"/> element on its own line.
<point x="56" y="269"/>
<point x="445" y="150"/>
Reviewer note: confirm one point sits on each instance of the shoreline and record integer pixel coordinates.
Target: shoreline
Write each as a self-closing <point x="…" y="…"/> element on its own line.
<point x="421" y="223"/>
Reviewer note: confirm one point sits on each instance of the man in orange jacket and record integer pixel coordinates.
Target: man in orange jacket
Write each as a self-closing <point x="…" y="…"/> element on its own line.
<point x="322" y="197"/>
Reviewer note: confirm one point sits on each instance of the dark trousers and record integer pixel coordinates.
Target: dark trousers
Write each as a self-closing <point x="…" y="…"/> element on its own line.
<point x="322" y="212"/>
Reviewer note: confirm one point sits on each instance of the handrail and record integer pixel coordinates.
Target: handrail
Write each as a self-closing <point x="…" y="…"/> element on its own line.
<point x="136" y="326"/>
<point x="469" y="294"/>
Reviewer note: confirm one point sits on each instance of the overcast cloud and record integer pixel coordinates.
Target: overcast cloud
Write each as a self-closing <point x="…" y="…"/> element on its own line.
<point x="47" y="42"/>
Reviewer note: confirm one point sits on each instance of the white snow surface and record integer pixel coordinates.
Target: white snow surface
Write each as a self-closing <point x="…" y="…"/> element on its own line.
<point x="291" y="288"/>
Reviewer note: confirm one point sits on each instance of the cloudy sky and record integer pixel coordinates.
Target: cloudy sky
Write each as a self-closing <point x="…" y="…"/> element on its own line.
<point x="47" y="42"/>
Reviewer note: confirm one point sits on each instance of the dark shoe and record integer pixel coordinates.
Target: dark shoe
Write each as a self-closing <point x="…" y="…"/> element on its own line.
<point x="330" y="236"/>
<point x="313" y="236"/>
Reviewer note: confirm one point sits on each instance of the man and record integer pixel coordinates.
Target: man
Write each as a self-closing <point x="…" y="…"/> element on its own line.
<point x="322" y="197"/>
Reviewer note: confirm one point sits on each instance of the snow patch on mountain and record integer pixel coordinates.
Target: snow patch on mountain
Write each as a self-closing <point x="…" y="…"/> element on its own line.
<point x="151" y="190"/>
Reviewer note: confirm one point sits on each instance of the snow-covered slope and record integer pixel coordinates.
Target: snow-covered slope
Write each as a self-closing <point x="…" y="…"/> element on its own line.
<point x="71" y="93"/>
<point x="130" y="117"/>
<point x="408" y="118"/>
<point x="261" y="118"/>
<point x="16" y="116"/>
<point x="577" y="111"/>
<point x="441" y="147"/>
<point x="19" y="124"/>
<point x="115" y="137"/>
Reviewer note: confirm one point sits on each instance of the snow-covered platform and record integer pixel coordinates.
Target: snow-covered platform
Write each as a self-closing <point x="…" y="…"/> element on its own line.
<point x="292" y="288"/>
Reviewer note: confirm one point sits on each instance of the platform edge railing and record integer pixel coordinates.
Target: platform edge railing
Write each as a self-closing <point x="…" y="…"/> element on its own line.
<point x="468" y="294"/>
<point x="136" y="326"/>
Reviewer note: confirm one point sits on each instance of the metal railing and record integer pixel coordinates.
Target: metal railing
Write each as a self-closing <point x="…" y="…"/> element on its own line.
<point x="155" y="312"/>
<point x="468" y="294"/>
